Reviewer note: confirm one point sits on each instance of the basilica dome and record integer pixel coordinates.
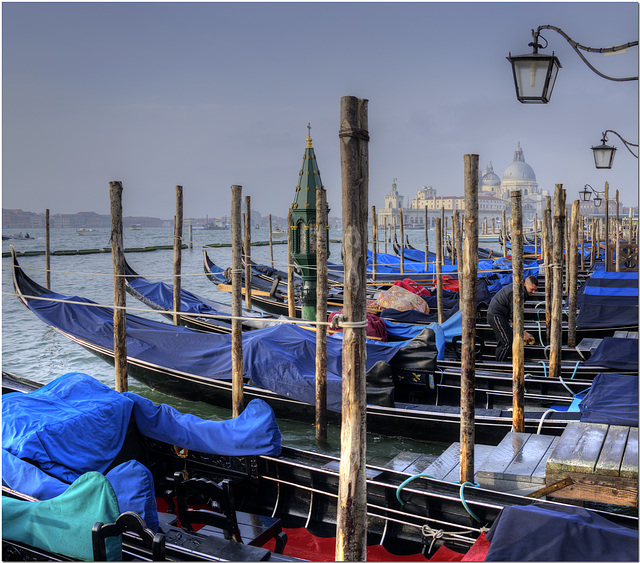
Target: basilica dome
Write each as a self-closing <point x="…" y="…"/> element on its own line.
<point x="519" y="169"/>
<point x="490" y="178"/>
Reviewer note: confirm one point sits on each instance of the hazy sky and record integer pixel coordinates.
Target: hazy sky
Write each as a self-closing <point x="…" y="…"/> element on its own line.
<point x="206" y="95"/>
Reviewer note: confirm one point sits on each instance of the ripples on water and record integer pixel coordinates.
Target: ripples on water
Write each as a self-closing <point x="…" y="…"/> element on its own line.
<point x="32" y="349"/>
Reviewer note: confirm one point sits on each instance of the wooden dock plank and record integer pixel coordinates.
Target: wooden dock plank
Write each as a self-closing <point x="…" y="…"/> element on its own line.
<point x="480" y="454"/>
<point x="578" y="448"/>
<point x="596" y="488"/>
<point x="539" y="475"/>
<point x="612" y="451"/>
<point x="505" y="452"/>
<point x="420" y="464"/>
<point x="402" y="461"/>
<point x="446" y="462"/>
<point x="526" y="461"/>
<point x="629" y="466"/>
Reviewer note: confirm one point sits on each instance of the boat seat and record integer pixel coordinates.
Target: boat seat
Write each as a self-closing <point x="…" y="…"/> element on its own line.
<point x="274" y="286"/>
<point x="152" y="544"/>
<point x="221" y="517"/>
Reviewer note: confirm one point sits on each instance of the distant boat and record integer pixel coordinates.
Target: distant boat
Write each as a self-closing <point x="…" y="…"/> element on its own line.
<point x="135" y="227"/>
<point x="17" y="236"/>
<point x="211" y="227"/>
<point x="85" y="231"/>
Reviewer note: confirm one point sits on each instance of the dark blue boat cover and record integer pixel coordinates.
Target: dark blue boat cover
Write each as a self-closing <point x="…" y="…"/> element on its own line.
<point x="279" y="358"/>
<point x="612" y="399"/>
<point x="75" y="424"/>
<point x="608" y="299"/>
<point x="559" y="533"/>
<point x="616" y="354"/>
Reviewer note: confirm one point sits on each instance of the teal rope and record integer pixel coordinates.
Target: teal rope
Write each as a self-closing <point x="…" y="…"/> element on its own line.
<point x="575" y="369"/>
<point x="464" y="502"/>
<point x="406" y="482"/>
<point x="544" y="366"/>
<point x="540" y="330"/>
<point x="462" y="499"/>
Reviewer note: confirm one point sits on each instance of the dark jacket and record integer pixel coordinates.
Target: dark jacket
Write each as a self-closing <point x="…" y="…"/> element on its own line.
<point x="501" y="304"/>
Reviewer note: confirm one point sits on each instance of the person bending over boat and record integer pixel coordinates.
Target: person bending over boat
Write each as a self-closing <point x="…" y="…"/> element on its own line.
<point x="500" y="314"/>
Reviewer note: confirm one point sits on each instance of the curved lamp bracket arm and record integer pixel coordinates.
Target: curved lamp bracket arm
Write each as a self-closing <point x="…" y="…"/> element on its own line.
<point x="577" y="47"/>
<point x="624" y="141"/>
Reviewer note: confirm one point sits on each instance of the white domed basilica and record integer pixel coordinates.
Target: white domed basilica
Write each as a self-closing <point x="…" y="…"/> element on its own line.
<point x="517" y="176"/>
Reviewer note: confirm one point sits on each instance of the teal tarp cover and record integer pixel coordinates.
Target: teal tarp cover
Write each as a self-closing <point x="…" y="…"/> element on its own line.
<point x="63" y="524"/>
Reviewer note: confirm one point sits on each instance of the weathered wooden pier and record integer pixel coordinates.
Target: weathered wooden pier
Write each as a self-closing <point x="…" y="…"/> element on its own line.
<point x="589" y="462"/>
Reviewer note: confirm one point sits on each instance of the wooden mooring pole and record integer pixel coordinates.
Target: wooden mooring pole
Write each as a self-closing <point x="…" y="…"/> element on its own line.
<point x="119" y="293"/>
<point x="459" y="221"/>
<point x="291" y="303"/>
<point x="237" y="388"/>
<point x="572" y="290"/>
<point x="555" y="356"/>
<point x="351" y="536"/>
<point x="374" y="250"/>
<point x="47" y="248"/>
<point x="547" y="225"/>
<point x="321" y="315"/>
<point x="439" y="288"/>
<point x="270" y="240"/>
<point x="426" y="239"/>
<point x="607" y="250"/>
<point x="468" y="305"/>
<point x="517" y="349"/>
<point x="177" y="256"/>
<point x="401" y="242"/>
<point x="247" y="251"/>
<point x="617" y="230"/>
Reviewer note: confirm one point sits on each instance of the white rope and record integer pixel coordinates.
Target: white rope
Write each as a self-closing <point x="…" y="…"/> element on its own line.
<point x="279" y="320"/>
<point x="429" y="532"/>
<point x="547" y="412"/>
<point x="337" y="321"/>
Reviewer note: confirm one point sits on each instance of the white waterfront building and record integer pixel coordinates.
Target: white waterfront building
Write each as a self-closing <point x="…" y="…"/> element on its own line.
<point x="493" y="199"/>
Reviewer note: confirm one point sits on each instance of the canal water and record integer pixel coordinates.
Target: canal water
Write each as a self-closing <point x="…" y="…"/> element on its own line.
<point x="33" y="350"/>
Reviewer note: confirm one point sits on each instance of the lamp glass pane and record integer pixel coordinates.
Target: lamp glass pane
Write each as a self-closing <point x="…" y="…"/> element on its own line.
<point x="530" y="77"/>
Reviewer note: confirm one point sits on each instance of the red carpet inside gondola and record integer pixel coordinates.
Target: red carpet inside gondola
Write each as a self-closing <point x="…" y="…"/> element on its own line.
<point x="304" y="545"/>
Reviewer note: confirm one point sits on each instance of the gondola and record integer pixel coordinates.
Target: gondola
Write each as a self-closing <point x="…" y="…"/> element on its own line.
<point x="289" y="496"/>
<point x="589" y="325"/>
<point x="195" y="312"/>
<point x="537" y="356"/>
<point x="415" y="255"/>
<point x="494" y="386"/>
<point x="197" y="366"/>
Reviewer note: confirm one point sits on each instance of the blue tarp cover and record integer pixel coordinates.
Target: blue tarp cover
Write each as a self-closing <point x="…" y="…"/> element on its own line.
<point x="616" y="354"/>
<point x="75" y="424"/>
<point x="612" y="399"/>
<point x="608" y="299"/>
<point x="278" y="358"/>
<point x="558" y="533"/>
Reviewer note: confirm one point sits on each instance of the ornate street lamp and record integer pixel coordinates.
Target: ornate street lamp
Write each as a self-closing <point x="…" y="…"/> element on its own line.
<point x="585" y="195"/>
<point x="535" y="74"/>
<point x="603" y="154"/>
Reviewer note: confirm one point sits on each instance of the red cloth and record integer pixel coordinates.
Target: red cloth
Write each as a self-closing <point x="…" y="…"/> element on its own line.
<point x="375" y="328"/>
<point x="304" y="545"/>
<point x="413" y="287"/>
<point x="449" y="283"/>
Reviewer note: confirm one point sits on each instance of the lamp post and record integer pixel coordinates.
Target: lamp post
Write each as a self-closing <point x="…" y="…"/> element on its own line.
<point x="535" y="74"/>
<point x="603" y="154"/>
<point x="585" y="195"/>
